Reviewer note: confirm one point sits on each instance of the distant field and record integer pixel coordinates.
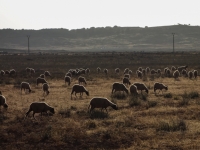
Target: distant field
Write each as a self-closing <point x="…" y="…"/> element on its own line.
<point x="151" y="121"/>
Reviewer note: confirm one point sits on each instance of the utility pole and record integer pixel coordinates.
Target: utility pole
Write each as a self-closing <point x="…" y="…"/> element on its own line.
<point x="28" y="36"/>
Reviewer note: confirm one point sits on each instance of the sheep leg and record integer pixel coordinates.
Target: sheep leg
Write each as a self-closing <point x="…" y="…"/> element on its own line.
<point x="34" y="116"/>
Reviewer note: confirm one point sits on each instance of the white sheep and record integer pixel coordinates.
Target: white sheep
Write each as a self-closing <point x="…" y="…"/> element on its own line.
<point x="195" y="72"/>
<point x="81" y="80"/>
<point x="98" y="70"/>
<point x="45" y="88"/>
<point x="180" y="68"/>
<point x="160" y="87"/>
<point x="100" y="102"/>
<point x="25" y="86"/>
<point x="117" y="70"/>
<point x="133" y="89"/>
<point x="68" y="79"/>
<point x="141" y="87"/>
<point x="105" y="71"/>
<point x="40" y="80"/>
<point x="47" y="73"/>
<point x="7" y="72"/>
<point x="119" y="87"/>
<point x="126" y="81"/>
<point x="79" y="89"/>
<point x="176" y="74"/>
<point x="3" y="101"/>
<point x="39" y="107"/>
<point x="190" y="74"/>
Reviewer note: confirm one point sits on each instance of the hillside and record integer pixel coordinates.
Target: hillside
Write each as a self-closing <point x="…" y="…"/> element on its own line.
<point x="187" y="38"/>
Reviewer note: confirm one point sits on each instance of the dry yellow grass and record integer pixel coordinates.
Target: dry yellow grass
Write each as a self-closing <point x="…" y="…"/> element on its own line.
<point x="134" y="127"/>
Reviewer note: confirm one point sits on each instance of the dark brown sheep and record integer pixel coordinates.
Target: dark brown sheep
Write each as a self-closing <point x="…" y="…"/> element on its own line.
<point x="141" y="87"/>
<point x="68" y="79"/>
<point x="100" y="102"/>
<point x="25" y="86"/>
<point x="119" y="87"/>
<point x="79" y="89"/>
<point x="40" y="80"/>
<point x="45" y="88"/>
<point x="160" y="87"/>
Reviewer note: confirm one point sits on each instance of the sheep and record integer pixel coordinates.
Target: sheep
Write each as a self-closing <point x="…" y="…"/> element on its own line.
<point x="100" y="102"/>
<point x="119" y="87"/>
<point x="7" y="72"/>
<point x="105" y="71"/>
<point x="126" y="81"/>
<point x="28" y="70"/>
<point x="160" y="87"/>
<point x="79" y="89"/>
<point x="24" y="86"/>
<point x="140" y="69"/>
<point x="173" y="68"/>
<point x="144" y="72"/>
<point x="147" y="70"/>
<point x="39" y="107"/>
<point x="40" y="80"/>
<point x="190" y="74"/>
<point x="81" y="80"/>
<point x="117" y="70"/>
<point x="47" y="73"/>
<point x="184" y="73"/>
<point x="82" y="71"/>
<point x="2" y="73"/>
<point x="42" y="76"/>
<point x="180" y="68"/>
<point x="12" y="72"/>
<point x="98" y="70"/>
<point x="168" y="72"/>
<point x="139" y="74"/>
<point x="165" y="70"/>
<point x="126" y="71"/>
<point x="68" y="74"/>
<point x="32" y="71"/>
<point x="176" y="74"/>
<point x="3" y="101"/>
<point x="133" y="89"/>
<point x="195" y="72"/>
<point x="153" y="71"/>
<point x="127" y="76"/>
<point x="87" y="70"/>
<point x="141" y="87"/>
<point x="130" y="72"/>
<point x="68" y="79"/>
<point x="45" y="88"/>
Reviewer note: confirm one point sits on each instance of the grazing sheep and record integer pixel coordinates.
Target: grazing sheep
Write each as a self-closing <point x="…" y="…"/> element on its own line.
<point x="159" y="71"/>
<point x="2" y="73"/>
<point x="3" y="101"/>
<point x="42" y="76"/>
<point x="130" y="72"/>
<point x="147" y="70"/>
<point x="160" y="87"/>
<point x="68" y="79"/>
<point x="68" y="74"/>
<point x="165" y="70"/>
<point x="180" y="68"/>
<point x="24" y="86"/>
<point x="47" y="73"/>
<point x="133" y="89"/>
<point x="98" y="70"/>
<point x="81" y="80"/>
<point x="79" y="89"/>
<point x="173" y="68"/>
<point x="126" y="71"/>
<point x="127" y="76"/>
<point x="40" y="80"/>
<point x="82" y="71"/>
<point x="45" y="88"/>
<point x="32" y="71"/>
<point x="119" y="87"/>
<point x="105" y="71"/>
<point x="153" y="71"/>
<point x="87" y="70"/>
<point x="139" y="74"/>
<point x="184" y="73"/>
<point x="168" y="72"/>
<point x="176" y="74"/>
<point x="7" y="72"/>
<point x="12" y="72"/>
<point x="141" y="87"/>
<point x="117" y="70"/>
<point x="39" y="107"/>
<point x="144" y="72"/>
<point x="126" y="81"/>
<point x="195" y="72"/>
<point x="140" y="69"/>
<point x="100" y="102"/>
<point x="190" y="74"/>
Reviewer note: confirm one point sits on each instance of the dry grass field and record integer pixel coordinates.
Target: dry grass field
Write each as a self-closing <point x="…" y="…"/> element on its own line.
<point x="168" y="120"/>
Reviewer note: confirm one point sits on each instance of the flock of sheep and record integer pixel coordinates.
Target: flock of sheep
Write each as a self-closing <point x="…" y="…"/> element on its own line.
<point x="97" y="102"/>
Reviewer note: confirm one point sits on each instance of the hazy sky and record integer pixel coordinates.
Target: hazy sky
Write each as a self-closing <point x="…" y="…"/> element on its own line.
<point x="73" y="14"/>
